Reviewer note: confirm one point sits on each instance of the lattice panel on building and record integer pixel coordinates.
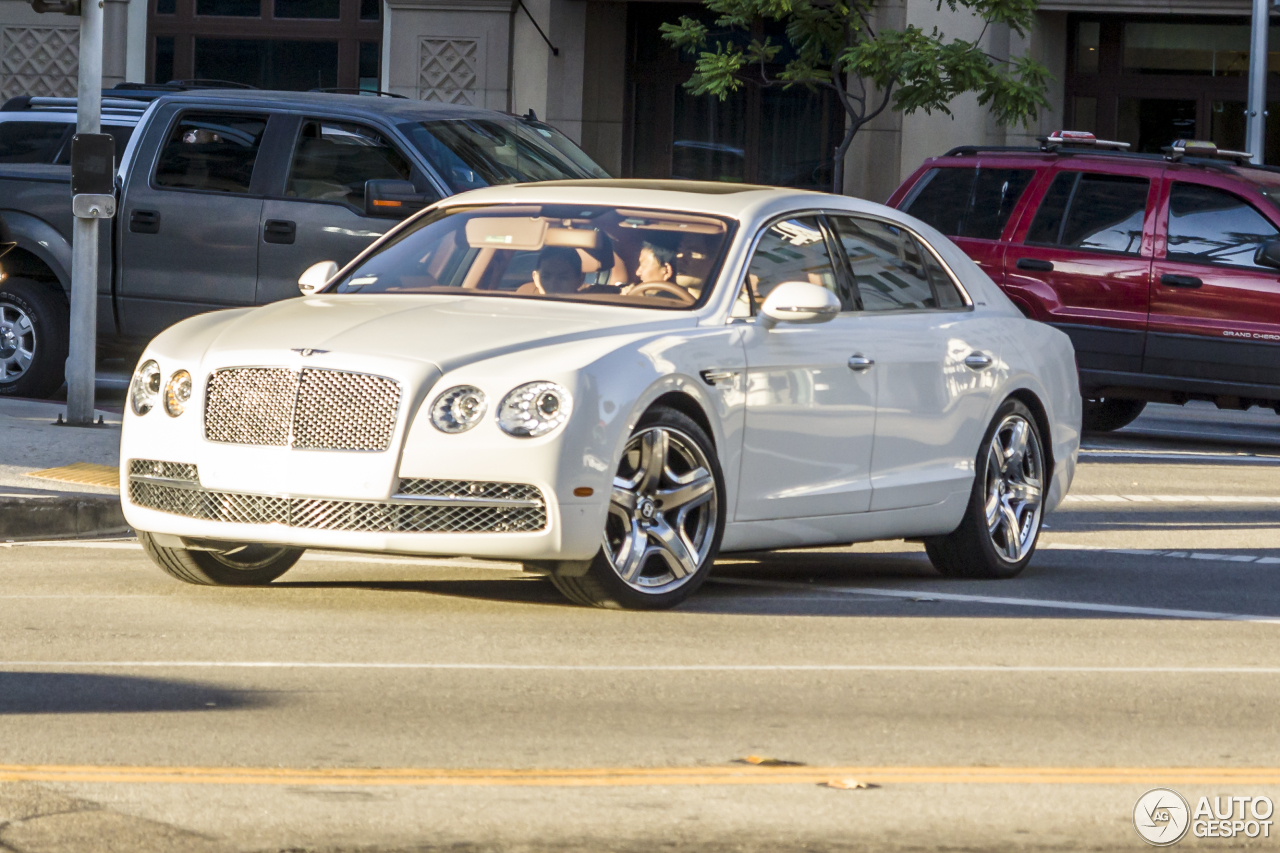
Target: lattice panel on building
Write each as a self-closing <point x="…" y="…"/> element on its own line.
<point x="39" y="61"/>
<point x="447" y="70"/>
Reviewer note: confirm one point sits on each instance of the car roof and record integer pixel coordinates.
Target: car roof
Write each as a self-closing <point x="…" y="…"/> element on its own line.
<point x="736" y="201"/>
<point x="400" y="109"/>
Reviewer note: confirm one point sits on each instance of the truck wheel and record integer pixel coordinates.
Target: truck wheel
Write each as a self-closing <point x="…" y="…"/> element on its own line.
<point x="249" y="565"/>
<point x="1106" y="414"/>
<point x="34" y="327"/>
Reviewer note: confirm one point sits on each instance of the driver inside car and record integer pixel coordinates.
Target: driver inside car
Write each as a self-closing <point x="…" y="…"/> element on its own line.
<point x="657" y="264"/>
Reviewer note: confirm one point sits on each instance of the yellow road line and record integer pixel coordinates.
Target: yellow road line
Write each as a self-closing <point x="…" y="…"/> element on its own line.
<point x="625" y="776"/>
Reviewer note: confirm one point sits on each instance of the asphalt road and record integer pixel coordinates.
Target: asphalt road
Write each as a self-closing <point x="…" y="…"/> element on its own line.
<point x="377" y="705"/>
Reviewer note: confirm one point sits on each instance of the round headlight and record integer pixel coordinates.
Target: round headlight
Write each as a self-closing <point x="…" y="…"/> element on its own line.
<point x="458" y="409"/>
<point x="534" y="409"/>
<point x="177" y="393"/>
<point x="144" y="390"/>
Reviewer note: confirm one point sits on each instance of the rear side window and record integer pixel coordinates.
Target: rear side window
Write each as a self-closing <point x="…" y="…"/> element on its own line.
<point x="120" y="132"/>
<point x="211" y="151"/>
<point x="973" y="203"/>
<point x="1083" y="210"/>
<point x="1212" y="226"/>
<point x="31" y="141"/>
<point x="891" y="269"/>
<point x="334" y="159"/>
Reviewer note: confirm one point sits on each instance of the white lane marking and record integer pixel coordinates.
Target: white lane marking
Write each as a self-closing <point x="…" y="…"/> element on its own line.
<point x="1175" y="555"/>
<point x="710" y="667"/>
<point x="1048" y="604"/>
<point x="1180" y="455"/>
<point x="1175" y="499"/>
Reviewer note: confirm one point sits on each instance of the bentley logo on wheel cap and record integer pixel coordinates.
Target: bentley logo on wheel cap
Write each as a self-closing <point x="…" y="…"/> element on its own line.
<point x="306" y="351"/>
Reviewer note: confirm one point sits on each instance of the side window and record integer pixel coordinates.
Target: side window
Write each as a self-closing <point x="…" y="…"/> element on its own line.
<point x="941" y="198"/>
<point x="995" y="194"/>
<point x="888" y="265"/>
<point x="945" y="290"/>
<point x="791" y="250"/>
<point x="31" y="141"/>
<point x="1213" y="226"/>
<point x="968" y="202"/>
<point x="211" y="151"/>
<point x="1083" y="210"/>
<point x="334" y="159"/>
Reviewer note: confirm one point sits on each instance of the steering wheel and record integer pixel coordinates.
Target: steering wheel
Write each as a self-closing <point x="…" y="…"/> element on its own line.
<point x="665" y="287"/>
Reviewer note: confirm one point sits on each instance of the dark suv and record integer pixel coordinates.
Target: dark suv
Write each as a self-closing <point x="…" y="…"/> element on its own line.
<point x="1164" y="270"/>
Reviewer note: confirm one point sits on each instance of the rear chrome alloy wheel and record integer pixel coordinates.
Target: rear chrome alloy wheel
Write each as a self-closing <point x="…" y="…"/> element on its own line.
<point x="1014" y="487"/>
<point x="663" y="511"/>
<point x="17" y="342"/>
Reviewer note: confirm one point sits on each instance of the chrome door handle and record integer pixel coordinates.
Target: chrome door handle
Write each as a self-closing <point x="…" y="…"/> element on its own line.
<point x="859" y="362"/>
<point x="977" y="361"/>
<point x="711" y="377"/>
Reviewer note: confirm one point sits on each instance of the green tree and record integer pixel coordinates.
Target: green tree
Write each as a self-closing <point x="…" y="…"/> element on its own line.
<point x="835" y="45"/>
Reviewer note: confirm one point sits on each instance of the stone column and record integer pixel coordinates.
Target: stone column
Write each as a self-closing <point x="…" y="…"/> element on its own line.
<point x="549" y="84"/>
<point x="448" y="51"/>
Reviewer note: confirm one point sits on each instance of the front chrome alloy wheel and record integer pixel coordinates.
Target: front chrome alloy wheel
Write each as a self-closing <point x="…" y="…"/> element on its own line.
<point x="17" y="342"/>
<point x="1015" y="490"/>
<point x="663" y="511"/>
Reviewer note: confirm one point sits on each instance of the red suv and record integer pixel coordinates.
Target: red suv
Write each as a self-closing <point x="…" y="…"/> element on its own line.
<point x="1164" y="270"/>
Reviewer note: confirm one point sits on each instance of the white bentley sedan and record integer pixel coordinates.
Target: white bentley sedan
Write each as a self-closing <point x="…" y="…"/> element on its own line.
<point x="610" y="382"/>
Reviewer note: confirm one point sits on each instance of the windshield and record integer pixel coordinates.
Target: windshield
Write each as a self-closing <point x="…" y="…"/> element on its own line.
<point x="580" y="253"/>
<point x="473" y="153"/>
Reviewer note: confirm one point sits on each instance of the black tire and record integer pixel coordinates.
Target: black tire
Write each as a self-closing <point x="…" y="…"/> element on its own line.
<point x="970" y="550"/>
<point x="34" y="319"/>
<point x="1106" y="414"/>
<point x="701" y="524"/>
<point x="255" y="565"/>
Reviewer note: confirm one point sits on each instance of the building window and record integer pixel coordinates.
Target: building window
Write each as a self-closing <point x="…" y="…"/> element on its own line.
<point x="281" y="44"/>
<point x="1151" y="82"/>
<point x="269" y="64"/>
<point x="769" y="135"/>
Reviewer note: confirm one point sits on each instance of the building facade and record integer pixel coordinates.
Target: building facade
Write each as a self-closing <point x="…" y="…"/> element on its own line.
<point x="1144" y="71"/>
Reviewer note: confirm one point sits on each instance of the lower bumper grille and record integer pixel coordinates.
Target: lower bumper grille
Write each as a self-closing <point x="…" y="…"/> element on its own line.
<point x="405" y="513"/>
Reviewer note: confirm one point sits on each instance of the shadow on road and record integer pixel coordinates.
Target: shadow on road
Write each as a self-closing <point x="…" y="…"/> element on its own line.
<point x="83" y="693"/>
<point x="531" y="589"/>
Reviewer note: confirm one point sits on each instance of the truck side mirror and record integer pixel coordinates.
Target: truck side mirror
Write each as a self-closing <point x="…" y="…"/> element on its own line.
<point x="392" y="199"/>
<point x="316" y="276"/>
<point x="1268" y="254"/>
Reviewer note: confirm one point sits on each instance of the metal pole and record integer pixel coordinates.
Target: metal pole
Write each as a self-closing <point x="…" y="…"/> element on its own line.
<point x="1256" y="128"/>
<point x="82" y="352"/>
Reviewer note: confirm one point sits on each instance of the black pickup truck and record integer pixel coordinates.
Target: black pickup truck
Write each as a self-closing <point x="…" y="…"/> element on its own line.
<point x="225" y="197"/>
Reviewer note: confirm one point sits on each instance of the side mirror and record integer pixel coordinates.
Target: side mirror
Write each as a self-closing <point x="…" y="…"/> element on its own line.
<point x="1268" y="254"/>
<point x="799" y="302"/>
<point x="316" y="277"/>
<point x="392" y="199"/>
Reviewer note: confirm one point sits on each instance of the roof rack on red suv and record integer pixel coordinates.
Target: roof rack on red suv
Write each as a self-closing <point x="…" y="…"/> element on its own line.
<point x="1084" y="138"/>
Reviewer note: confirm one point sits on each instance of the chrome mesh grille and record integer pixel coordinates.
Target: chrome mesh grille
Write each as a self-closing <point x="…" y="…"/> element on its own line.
<point x="164" y="470"/>
<point x="320" y="514"/>
<point x="468" y="489"/>
<point x="345" y="411"/>
<point x="314" y="409"/>
<point x="250" y="405"/>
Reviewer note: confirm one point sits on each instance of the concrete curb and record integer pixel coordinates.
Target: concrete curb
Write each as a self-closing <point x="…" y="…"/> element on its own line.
<point x="59" y="516"/>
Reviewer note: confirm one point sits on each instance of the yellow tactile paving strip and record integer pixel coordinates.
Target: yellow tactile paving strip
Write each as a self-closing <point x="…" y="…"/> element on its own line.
<point x="84" y="473"/>
<point x="628" y="776"/>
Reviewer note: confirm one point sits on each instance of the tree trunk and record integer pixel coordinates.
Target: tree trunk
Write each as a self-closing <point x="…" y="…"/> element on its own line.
<point x="837" y="173"/>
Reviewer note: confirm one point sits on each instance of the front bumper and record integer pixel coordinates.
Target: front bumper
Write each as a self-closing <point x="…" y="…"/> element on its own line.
<point x="428" y="517"/>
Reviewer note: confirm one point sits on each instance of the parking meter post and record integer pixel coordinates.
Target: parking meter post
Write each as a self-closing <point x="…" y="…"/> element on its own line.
<point x="82" y="351"/>
<point x="1256" y="127"/>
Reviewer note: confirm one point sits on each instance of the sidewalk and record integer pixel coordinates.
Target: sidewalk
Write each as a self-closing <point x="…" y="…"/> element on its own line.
<point x="39" y="508"/>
